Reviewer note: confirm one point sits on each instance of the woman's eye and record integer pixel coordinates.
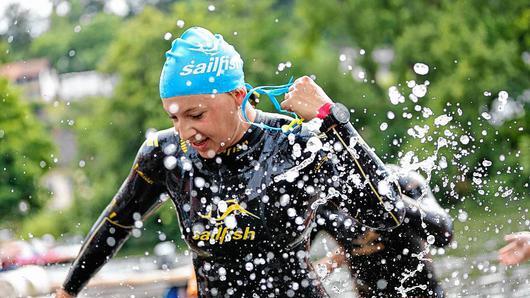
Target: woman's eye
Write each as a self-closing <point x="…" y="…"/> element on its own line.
<point x="197" y="116"/>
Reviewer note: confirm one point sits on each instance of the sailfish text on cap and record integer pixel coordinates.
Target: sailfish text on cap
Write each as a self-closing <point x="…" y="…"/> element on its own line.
<point x="217" y="65"/>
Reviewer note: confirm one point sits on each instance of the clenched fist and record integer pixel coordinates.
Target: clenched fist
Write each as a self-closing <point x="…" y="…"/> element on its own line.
<point x="304" y="98"/>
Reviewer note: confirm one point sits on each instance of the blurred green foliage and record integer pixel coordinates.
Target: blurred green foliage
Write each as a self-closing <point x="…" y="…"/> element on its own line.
<point x="76" y="45"/>
<point x="356" y="50"/>
<point x="26" y="153"/>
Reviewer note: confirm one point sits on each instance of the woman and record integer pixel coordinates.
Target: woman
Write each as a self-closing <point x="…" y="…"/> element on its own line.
<point x="247" y="189"/>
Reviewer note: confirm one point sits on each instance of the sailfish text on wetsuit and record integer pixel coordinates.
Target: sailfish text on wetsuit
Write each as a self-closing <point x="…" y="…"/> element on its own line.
<point x="225" y="224"/>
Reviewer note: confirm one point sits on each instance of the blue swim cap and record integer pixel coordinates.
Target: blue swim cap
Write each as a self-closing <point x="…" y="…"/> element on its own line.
<point x="200" y="62"/>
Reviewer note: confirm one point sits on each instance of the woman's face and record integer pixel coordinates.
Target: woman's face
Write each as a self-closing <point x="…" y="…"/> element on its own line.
<point x="209" y="122"/>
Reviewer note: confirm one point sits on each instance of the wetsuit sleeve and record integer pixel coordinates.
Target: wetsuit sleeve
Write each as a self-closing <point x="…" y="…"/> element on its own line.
<point x="139" y="194"/>
<point x="359" y="181"/>
<point x="424" y="216"/>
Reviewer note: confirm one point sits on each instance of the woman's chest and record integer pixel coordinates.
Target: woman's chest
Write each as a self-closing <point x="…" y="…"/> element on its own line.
<point x="262" y="208"/>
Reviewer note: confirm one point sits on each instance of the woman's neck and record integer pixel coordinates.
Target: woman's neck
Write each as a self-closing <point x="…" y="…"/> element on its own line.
<point x="243" y="125"/>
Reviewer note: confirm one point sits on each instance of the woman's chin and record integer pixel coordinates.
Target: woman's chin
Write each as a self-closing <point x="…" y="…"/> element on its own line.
<point x="207" y="153"/>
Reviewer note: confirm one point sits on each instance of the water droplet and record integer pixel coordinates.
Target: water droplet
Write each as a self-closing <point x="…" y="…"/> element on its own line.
<point x="170" y="149"/>
<point x="313" y="145"/>
<point x="430" y="239"/>
<point x="382" y="284"/>
<point x="23" y="206"/>
<point x="503" y="96"/>
<point x="462" y="216"/>
<point x="419" y="91"/>
<point x="291" y="212"/>
<point x="249" y="266"/>
<point x="111" y="241"/>
<point x="170" y="162"/>
<point x="486" y="115"/>
<point x="221" y="271"/>
<point x="464" y="139"/>
<point x="180" y="23"/>
<point x="486" y="163"/>
<point x="442" y="120"/>
<point x="421" y="68"/>
<point x="230" y="221"/>
<point x="394" y="96"/>
<point x="383" y="126"/>
<point x="284" y="200"/>
<point x="199" y="182"/>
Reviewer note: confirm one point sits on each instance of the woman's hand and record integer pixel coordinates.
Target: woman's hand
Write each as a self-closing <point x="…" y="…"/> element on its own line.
<point x="304" y="98"/>
<point x="192" y="290"/>
<point x="517" y="250"/>
<point x="60" y="293"/>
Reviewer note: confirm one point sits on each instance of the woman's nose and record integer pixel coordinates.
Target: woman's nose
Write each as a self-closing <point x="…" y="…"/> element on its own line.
<point x="185" y="131"/>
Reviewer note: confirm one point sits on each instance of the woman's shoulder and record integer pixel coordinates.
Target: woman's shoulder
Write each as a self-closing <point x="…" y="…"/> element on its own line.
<point x="162" y="143"/>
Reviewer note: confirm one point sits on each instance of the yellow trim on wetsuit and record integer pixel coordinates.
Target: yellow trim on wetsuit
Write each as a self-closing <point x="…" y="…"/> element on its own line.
<point x="183" y="146"/>
<point x="152" y="140"/>
<point x="117" y="224"/>
<point x="141" y="174"/>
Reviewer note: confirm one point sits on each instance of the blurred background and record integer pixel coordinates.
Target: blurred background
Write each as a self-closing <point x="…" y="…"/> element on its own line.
<point x="441" y="86"/>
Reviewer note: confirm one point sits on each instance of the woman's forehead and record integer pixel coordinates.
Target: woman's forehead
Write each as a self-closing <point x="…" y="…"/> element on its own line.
<point x="184" y="103"/>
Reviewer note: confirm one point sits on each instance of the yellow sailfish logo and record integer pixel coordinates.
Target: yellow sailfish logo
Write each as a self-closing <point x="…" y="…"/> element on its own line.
<point x="234" y="207"/>
<point x="219" y="234"/>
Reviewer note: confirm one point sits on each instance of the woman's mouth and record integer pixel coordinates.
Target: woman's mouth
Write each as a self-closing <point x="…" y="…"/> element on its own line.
<point x="199" y="145"/>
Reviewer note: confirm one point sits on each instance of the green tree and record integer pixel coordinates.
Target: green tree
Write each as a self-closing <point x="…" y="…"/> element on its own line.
<point x="473" y="55"/>
<point x="25" y="155"/>
<point x="76" y="46"/>
<point x="18" y="31"/>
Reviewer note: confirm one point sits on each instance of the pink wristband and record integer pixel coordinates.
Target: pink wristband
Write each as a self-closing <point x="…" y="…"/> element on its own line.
<point x="324" y="110"/>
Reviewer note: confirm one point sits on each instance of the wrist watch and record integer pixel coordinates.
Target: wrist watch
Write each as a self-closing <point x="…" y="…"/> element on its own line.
<point x="339" y="114"/>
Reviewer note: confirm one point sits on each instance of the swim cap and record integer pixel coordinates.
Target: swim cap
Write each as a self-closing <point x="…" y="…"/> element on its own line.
<point x="200" y="62"/>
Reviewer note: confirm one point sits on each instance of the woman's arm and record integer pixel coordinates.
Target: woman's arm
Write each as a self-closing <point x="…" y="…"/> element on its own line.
<point x="357" y="179"/>
<point x="139" y="194"/>
<point x="354" y="170"/>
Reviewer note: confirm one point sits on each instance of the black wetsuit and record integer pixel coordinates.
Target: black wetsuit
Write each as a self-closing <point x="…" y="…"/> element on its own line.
<point x="378" y="272"/>
<point x="247" y="213"/>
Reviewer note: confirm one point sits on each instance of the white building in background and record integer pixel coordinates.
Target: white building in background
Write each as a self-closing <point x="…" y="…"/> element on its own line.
<point x="79" y="85"/>
<point x="39" y="81"/>
<point x="35" y="77"/>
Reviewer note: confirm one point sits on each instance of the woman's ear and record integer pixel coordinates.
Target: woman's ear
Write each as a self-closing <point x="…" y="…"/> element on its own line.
<point x="239" y="94"/>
